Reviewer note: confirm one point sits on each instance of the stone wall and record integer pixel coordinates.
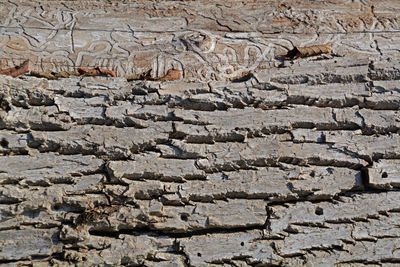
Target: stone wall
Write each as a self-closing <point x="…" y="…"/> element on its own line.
<point x="251" y="157"/>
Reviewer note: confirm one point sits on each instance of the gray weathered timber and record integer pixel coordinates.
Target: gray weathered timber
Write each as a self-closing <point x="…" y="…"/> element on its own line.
<point x="249" y="158"/>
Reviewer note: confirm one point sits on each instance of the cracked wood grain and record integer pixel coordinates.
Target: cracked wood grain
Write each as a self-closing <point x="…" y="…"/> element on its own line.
<point x="207" y="149"/>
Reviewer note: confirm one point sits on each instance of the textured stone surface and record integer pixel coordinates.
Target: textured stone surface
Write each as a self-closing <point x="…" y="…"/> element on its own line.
<point x="249" y="159"/>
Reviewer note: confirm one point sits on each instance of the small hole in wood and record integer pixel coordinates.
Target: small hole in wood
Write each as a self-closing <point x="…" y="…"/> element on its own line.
<point x="319" y="211"/>
<point x="242" y="244"/>
<point x="4" y="142"/>
<point x="199" y="254"/>
<point x="184" y="217"/>
<point x="384" y="175"/>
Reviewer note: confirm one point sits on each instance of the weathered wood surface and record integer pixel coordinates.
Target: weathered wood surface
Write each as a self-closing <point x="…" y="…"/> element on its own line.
<point x="210" y="40"/>
<point x="250" y="158"/>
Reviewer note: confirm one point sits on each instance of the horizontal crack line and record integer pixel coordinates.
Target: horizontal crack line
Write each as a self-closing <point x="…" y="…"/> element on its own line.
<point x="186" y="234"/>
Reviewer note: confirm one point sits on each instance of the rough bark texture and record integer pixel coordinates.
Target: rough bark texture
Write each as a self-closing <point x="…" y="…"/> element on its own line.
<point x="248" y="156"/>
